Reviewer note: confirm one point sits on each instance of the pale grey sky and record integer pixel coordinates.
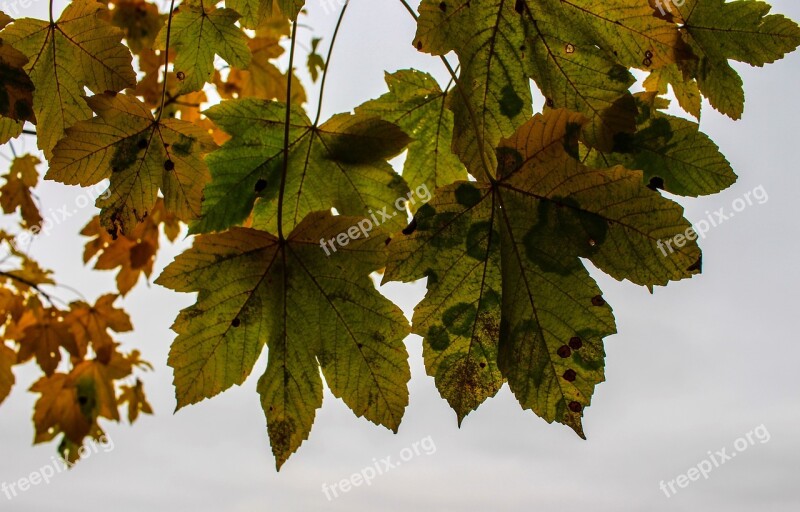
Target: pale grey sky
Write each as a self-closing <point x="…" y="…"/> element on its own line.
<point x="694" y="366"/>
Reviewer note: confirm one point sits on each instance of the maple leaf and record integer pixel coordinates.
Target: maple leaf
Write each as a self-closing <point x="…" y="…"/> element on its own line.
<point x="197" y="35"/>
<point x="718" y="31"/>
<point x="134" y="255"/>
<point x="136" y="400"/>
<point x="91" y="323"/>
<point x="340" y="164"/>
<point x="416" y="103"/>
<point x="42" y="332"/>
<point x="57" y="410"/>
<point x="81" y="50"/>
<point x="16" y="191"/>
<point x="508" y="297"/>
<point x="140" y="155"/>
<point x="673" y="154"/>
<point x="8" y="359"/>
<point x="272" y="289"/>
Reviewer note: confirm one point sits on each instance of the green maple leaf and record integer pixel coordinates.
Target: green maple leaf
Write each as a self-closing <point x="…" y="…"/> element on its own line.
<point x="340" y="164"/>
<point x="508" y="296"/>
<point x="140" y="155"/>
<point x="273" y="289"/>
<point x="719" y="31"/>
<point x="673" y="154"/>
<point x="576" y="51"/>
<point x="81" y="50"/>
<point x="416" y="103"/>
<point x="197" y="35"/>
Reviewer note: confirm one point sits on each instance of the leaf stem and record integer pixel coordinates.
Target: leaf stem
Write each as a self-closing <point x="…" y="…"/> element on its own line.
<point x="166" y="61"/>
<point x="285" y="169"/>
<point x="476" y="125"/>
<point x="29" y="284"/>
<point x="328" y="62"/>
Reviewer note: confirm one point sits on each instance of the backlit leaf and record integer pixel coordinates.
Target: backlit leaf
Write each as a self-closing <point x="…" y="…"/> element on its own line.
<point x="508" y="296"/>
<point x="271" y="290"/>
<point x="340" y="164"/>
<point x="80" y="50"/>
<point x="140" y="155"/>
<point x="197" y="35"/>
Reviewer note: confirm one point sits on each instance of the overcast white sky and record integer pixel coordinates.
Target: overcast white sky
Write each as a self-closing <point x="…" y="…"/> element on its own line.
<point x="694" y="366"/>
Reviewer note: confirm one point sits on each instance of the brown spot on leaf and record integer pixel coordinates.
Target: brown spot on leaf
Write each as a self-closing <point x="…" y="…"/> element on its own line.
<point x="598" y="300"/>
<point x="564" y="351"/>
<point x="575" y="406"/>
<point x="570" y="375"/>
<point x="575" y="343"/>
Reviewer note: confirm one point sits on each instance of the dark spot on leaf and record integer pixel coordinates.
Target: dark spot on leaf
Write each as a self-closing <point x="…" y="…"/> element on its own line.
<point x="181" y="76"/>
<point x="387" y="241"/>
<point x="142" y="143"/>
<point x="519" y="6"/>
<point x="482" y="364"/>
<point x="460" y="319"/>
<point x="419" y="45"/>
<point x="443" y="6"/>
<point x="656" y="183"/>
<point x="510" y="102"/>
<point x="563" y="351"/>
<point x="432" y="276"/>
<point x="575" y="406"/>
<point x="598" y="300"/>
<point x="508" y="160"/>
<point x="411" y="227"/>
<point x="481" y="234"/>
<point x="550" y="103"/>
<point x="261" y="184"/>
<point x="236" y="322"/>
<point x="647" y="62"/>
<point x="570" y="375"/>
<point x="360" y="345"/>
<point x="438" y="338"/>
<point x="169" y="165"/>
<point x="575" y="343"/>
<point x="648" y="54"/>
<point x="467" y="195"/>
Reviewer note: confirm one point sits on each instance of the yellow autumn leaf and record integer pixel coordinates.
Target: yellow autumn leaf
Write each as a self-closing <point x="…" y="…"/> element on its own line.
<point x="16" y="192"/>
<point x="141" y="156"/>
<point x="81" y="50"/>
